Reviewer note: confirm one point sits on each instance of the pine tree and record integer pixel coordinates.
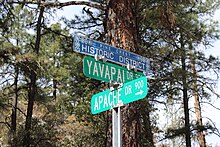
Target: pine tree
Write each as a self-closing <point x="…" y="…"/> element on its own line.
<point x="50" y="76"/>
<point x="177" y="27"/>
<point x="13" y="39"/>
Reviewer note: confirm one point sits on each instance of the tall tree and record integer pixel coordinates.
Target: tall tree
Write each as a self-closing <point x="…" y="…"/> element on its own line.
<point x="198" y="112"/>
<point x="160" y="30"/>
<point x="14" y="41"/>
<point x="33" y="78"/>
<point x="122" y="30"/>
<point x="174" y="25"/>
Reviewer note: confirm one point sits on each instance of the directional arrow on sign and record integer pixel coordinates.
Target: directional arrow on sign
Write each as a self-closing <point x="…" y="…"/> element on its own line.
<point x="129" y="92"/>
<point x="139" y="93"/>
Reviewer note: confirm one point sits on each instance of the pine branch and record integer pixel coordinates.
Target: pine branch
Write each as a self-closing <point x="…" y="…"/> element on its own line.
<point x="59" y="5"/>
<point x="210" y="105"/>
<point x="55" y="32"/>
<point x="214" y="129"/>
<point x="5" y="123"/>
<point x="21" y="111"/>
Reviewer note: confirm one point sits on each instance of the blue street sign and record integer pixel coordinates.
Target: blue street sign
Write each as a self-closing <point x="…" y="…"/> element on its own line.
<point x="90" y="47"/>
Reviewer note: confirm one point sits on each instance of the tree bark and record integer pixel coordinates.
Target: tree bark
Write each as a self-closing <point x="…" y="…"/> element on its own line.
<point x="185" y="95"/>
<point x="122" y="32"/>
<point x="31" y="97"/>
<point x="108" y="140"/>
<point x="200" y="134"/>
<point x="13" y="141"/>
<point x="147" y="136"/>
<point x="54" y="80"/>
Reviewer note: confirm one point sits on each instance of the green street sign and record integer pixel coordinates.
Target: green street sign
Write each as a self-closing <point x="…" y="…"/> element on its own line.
<point x="107" y="71"/>
<point x="129" y="92"/>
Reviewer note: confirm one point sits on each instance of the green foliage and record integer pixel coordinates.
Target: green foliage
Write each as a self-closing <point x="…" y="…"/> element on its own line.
<point x="62" y="115"/>
<point x="176" y="27"/>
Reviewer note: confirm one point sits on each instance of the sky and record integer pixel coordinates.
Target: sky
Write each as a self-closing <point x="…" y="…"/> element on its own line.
<point x="208" y="111"/>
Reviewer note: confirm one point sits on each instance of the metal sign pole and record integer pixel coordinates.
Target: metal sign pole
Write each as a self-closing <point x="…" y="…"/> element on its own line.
<point x="116" y="127"/>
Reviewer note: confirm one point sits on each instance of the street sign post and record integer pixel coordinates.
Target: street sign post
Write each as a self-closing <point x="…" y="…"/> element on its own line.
<point x="116" y="127"/>
<point x="135" y="83"/>
<point x="107" y="71"/>
<point x="129" y="92"/>
<point x="90" y="47"/>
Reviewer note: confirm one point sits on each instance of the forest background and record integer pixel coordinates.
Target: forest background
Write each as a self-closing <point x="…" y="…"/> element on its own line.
<point x="68" y="12"/>
<point x="45" y="98"/>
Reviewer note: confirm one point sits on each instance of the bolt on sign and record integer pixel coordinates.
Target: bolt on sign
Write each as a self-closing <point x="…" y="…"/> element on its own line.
<point x="129" y="92"/>
<point x="107" y="71"/>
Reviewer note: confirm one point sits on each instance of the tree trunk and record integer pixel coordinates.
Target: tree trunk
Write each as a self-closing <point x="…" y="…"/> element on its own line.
<point x="122" y="32"/>
<point x="147" y="135"/>
<point x="31" y="97"/>
<point x="200" y="134"/>
<point x="13" y="141"/>
<point x="54" y="80"/>
<point x="108" y="140"/>
<point x="185" y="96"/>
<point x="32" y="86"/>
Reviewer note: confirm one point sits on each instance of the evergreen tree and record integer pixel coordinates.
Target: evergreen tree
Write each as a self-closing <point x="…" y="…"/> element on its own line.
<point x="47" y="76"/>
<point x="179" y="24"/>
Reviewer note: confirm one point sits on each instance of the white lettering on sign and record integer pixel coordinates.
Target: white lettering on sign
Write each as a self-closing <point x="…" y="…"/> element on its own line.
<point x="105" y="71"/>
<point x="100" y="100"/>
<point x="89" y="47"/>
<point x="119" y="77"/>
<point x="131" y="62"/>
<point x="92" y="50"/>
<point x="107" y="74"/>
<point x="107" y="54"/>
<point x="128" y="90"/>
<point x="113" y="72"/>
<point x="89" y="65"/>
<point x="95" y="70"/>
<point x="101" y="69"/>
<point x="107" y="100"/>
<point x="130" y="75"/>
<point x="139" y="84"/>
<point x="96" y="104"/>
